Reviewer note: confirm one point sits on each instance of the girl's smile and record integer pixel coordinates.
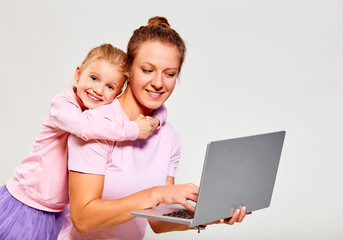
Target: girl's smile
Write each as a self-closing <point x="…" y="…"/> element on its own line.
<point x="99" y="83"/>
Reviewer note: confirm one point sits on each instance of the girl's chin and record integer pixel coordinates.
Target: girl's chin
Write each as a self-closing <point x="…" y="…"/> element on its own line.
<point x="91" y="105"/>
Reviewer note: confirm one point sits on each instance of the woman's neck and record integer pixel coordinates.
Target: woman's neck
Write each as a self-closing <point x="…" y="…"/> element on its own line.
<point x="131" y="106"/>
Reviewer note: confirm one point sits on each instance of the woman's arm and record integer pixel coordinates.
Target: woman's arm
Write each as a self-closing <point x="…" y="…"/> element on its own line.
<point x="89" y="212"/>
<point x="162" y="226"/>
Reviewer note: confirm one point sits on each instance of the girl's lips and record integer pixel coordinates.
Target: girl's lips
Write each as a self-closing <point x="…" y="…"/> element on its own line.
<point x="93" y="97"/>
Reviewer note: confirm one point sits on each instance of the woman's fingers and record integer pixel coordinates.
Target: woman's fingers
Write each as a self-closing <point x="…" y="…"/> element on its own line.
<point x="237" y="216"/>
<point x="234" y="217"/>
<point x="188" y="206"/>
<point x="242" y="214"/>
<point x="180" y="194"/>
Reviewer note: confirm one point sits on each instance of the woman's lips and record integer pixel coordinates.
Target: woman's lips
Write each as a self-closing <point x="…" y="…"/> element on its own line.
<point x="155" y="94"/>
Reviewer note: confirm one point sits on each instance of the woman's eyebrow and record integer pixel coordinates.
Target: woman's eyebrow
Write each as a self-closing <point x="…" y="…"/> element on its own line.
<point x="147" y="63"/>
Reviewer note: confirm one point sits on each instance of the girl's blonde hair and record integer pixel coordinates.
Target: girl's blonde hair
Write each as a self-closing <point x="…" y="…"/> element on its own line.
<point x="108" y="53"/>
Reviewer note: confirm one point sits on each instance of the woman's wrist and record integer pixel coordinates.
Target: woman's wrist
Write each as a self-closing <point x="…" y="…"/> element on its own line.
<point x="156" y="195"/>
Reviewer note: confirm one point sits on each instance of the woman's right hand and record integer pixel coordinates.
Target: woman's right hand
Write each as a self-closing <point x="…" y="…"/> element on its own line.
<point x="179" y="193"/>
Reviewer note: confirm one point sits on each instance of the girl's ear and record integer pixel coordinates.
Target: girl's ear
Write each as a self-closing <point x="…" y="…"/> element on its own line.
<point x="127" y="75"/>
<point x="77" y="74"/>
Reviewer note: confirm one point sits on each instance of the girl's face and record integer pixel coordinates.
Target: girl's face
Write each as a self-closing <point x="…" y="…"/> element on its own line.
<point x="99" y="83"/>
<point x="153" y="74"/>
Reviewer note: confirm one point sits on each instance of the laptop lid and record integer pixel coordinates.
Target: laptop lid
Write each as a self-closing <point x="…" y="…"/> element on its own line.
<point x="236" y="172"/>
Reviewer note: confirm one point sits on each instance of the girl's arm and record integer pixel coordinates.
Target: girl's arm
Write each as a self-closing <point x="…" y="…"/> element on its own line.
<point x="89" y="212"/>
<point x="66" y="115"/>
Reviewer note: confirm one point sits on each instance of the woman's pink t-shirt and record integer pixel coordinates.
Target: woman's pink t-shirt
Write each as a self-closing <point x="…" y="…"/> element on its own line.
<point x="128" y="166"/>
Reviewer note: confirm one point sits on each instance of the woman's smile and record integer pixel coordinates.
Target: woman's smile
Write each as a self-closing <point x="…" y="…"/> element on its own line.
<point x="153" y="74"/>
<point x="154" y="94"/>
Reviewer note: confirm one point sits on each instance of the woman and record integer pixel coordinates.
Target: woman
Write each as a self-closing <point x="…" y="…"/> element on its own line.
<point x="108" y="180"/>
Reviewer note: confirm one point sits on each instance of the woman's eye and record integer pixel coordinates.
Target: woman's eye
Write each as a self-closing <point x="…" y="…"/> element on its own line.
<point x="170" y="74"/>
<point x="147" y="70"/>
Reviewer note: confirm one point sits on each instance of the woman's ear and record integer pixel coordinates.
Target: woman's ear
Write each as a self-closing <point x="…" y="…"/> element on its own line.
<point x="77" y="75"/>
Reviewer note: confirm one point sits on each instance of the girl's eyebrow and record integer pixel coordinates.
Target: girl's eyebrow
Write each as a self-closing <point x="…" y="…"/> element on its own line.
<point x="95" y="73"/>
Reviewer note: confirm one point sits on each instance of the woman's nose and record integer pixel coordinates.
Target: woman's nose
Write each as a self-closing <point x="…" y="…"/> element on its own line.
<point x="157" y="81"/>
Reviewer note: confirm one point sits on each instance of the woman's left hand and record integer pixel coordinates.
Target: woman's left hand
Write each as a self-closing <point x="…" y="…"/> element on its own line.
<point x="237" y="217"/>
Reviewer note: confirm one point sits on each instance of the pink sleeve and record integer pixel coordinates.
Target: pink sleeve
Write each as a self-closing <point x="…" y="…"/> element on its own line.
<point x="88" y="157"/>
<point x="90" y="124"/>
<point x="161" y="114"/>
<point x="174" y="160"/>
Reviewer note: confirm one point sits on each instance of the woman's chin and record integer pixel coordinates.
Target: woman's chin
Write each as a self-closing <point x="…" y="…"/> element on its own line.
<point x="152" y="106"/>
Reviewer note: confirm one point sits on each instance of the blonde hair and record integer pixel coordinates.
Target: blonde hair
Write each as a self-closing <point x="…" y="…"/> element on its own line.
<point x="108" y="53"/>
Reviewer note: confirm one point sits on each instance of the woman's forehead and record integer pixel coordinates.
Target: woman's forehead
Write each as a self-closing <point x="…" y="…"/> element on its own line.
<point x="155" y="52"/>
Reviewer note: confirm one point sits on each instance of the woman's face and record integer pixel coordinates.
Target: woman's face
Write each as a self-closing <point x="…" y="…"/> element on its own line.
<point x="153" y="73"/>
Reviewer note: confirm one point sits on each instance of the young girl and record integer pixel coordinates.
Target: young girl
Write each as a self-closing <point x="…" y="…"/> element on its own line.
<point x="33" y="202"/>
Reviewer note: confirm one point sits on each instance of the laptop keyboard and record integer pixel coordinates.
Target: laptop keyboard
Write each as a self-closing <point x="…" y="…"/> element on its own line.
<point x="184" y="213"/>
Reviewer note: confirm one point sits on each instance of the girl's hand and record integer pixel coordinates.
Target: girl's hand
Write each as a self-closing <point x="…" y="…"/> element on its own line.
<point x="155" y="122"/>
<point x="146" y="126"/>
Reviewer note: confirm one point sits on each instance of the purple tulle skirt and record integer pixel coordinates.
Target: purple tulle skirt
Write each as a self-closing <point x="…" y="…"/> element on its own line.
<point x="19" y="221"/>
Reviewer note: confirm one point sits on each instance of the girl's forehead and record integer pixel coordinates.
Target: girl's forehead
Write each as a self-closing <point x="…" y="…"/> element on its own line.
<point x="99" y="64"/>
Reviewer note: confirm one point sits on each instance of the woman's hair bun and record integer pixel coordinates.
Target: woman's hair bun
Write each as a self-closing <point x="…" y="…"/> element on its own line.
<point x="158" y="21"/>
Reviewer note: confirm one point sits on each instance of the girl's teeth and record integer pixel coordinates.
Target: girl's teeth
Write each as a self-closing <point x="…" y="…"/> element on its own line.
<point x="93" y="98"/>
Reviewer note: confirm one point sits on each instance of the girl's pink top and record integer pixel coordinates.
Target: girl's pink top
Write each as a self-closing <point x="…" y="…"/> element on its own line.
<point x="128" y="166"/>
<point x="41" y="180"/>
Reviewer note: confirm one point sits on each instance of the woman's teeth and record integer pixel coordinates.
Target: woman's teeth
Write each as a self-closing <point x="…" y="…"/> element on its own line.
<point x="154" y="93"/>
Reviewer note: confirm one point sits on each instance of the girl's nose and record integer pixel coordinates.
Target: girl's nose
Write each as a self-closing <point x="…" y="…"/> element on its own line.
<point x="99" y="90"/>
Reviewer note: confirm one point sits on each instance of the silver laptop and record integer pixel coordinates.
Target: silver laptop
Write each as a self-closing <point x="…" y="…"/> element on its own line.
<point x="237" y="172"/>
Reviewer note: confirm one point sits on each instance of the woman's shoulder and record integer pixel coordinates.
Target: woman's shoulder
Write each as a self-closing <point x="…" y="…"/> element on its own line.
<point x="170" y="130"/>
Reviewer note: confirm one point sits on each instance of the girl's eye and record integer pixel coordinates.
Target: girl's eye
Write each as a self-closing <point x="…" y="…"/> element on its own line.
<point x="111" y="87"/>
<point x="94" y="78"/>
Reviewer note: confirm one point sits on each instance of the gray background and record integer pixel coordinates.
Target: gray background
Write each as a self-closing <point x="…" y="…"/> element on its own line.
<point x="251" y="67"/>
